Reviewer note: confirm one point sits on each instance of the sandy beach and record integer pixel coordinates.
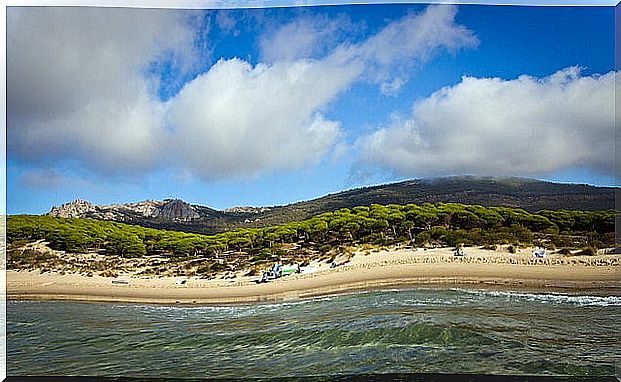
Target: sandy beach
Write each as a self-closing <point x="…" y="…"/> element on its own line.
<point x="382" y="269"/>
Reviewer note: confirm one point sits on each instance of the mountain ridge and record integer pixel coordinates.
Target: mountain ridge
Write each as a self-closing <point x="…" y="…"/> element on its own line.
<point x="526" y="193"/>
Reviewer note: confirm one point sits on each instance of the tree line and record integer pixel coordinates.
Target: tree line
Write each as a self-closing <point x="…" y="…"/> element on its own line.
<point x="439" y="223"/>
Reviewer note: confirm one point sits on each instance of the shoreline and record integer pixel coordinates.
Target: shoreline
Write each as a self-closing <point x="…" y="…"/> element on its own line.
<point x="378" y="271"/>
<point x="388" y="285"/>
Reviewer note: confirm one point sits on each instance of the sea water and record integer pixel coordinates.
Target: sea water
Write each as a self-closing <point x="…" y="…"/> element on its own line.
<point x="395" y="331"/>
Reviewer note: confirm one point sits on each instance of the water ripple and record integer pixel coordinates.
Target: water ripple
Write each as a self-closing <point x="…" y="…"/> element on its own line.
<point x="425" y="330"/>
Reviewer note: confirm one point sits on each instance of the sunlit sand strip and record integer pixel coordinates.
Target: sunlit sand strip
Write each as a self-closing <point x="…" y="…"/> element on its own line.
<point x="383" y="269"/>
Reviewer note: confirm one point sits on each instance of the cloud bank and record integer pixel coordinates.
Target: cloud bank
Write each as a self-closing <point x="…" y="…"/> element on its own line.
<point x="489" y="126"/>
<point x="79" y="87"/>
<point x="83" y="87"/>
<point x="239" y="119"/>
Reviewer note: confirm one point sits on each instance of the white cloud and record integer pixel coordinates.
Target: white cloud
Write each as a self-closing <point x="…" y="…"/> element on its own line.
<point x="80" y="89"/>
<point x="238" y="119"/>
<point x="417" y="35"/>
<point x="391" y="88"/>
<point x="305" y="37"/>
<point x="489" y="126"/>
<point x="78" y="85"/>
<point x="413" y="39"/>
<point x="226" y="22"/>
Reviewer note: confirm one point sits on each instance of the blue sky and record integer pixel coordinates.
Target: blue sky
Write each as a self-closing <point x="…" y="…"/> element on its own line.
<point x="271" y="106"/>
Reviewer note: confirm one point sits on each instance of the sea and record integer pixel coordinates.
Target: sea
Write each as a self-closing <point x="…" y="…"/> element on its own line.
<point x="379" y="332"/>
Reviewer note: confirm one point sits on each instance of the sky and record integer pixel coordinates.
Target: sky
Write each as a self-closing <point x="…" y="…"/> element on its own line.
<point x="271" y="106"/>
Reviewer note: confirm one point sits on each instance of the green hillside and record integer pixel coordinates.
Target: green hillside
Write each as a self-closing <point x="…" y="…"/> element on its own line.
<point x="528" y="194"/>
<point x="440" y="224"/>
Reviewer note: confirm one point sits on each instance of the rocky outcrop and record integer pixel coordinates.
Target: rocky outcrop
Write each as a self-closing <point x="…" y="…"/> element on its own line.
<point x="169" y="209"/>
<point x="147" y="209"/>
<point x="176" y="209"/>
<point x="75" y="209"/>
<point x="246" y="210"/>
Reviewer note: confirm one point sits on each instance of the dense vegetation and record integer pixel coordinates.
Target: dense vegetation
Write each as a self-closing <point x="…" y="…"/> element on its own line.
<point x="427" y="224"/>
<point x="529" y="194"/>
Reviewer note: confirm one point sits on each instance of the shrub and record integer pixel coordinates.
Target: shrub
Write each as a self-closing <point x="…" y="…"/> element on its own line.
<point x="218" y="267"/>
<point x="203" y="269"/>
<point x="564" y="251"/>
<point x="587" y="251"/>
<point x="263" y="256"/>
<point x="107" y="273"/>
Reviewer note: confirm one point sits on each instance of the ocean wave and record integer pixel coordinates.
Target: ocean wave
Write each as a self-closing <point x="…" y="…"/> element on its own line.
<point x="378" y="299"/>
<point x="230" y="308"/>
<point x="555" y="298"/>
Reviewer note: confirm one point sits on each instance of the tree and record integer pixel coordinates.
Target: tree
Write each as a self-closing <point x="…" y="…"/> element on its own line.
<point x="126" y="245"/>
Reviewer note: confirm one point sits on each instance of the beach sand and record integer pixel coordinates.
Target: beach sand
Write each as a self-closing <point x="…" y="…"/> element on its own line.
<point x="376" y="270"/>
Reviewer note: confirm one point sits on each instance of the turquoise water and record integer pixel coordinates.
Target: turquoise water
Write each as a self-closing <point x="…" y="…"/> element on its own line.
<point x="405" y="331"/>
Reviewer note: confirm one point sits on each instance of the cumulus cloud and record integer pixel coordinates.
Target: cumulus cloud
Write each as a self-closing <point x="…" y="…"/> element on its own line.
<point x="240" y="119"/>
<point x="414" y="38"/>
<point x="79" y="87"/>
<point x="489" y="126"/>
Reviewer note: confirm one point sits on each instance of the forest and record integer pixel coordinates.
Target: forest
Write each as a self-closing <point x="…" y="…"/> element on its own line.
<point x="439" y="224"/>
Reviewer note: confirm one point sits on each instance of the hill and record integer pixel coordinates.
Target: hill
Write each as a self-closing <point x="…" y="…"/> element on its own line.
<point x="529" y="194"/>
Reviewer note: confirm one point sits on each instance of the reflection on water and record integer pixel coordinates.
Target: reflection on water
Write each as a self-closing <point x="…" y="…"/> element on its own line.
<point x="407" y="331"/>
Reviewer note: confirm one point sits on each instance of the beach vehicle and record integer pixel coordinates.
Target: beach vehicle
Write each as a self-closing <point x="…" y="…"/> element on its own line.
<point x="459" y="251"/>
<point x="181" y="282"/>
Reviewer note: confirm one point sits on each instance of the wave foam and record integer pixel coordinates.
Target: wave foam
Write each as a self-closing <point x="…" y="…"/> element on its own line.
<point x="556" y="298"/>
